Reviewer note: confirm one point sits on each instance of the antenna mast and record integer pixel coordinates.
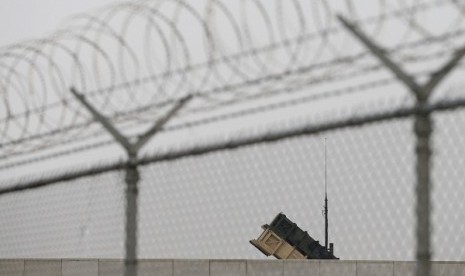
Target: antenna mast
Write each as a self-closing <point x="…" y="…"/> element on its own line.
<point x="326" y="204"/>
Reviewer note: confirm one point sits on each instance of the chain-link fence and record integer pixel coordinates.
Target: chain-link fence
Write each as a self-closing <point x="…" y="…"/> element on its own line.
<point x="209" y="206"/>
<point x="239" y="152"/>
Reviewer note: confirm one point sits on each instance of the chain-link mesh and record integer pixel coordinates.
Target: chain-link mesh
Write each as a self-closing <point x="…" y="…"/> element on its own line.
<point x="449" y="187"/>
<point x="210" y="206"/>
<point x="80" y="218"/>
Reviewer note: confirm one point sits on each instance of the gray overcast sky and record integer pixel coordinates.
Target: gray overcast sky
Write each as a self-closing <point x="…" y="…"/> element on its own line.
<point x="26" y="19"/>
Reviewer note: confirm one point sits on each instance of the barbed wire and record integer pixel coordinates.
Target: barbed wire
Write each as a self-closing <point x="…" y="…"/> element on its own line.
<point x="294" y="86"/>
<point x="210" y="49"/>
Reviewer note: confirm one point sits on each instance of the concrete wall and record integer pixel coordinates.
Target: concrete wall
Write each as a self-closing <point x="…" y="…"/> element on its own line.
<point x="110" y="267"/>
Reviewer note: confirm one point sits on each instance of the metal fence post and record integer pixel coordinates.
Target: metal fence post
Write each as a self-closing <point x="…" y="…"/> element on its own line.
<point x="132" y="190"/>
<point x="423" y="128"/>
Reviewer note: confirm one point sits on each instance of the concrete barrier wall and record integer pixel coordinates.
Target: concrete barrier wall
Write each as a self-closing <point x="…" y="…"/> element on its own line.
<point x="111" y="267"/>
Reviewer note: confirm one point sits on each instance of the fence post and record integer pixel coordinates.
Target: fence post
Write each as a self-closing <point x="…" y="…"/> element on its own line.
<point x="132" y="190"/>
<point x="423" y="128"/>
<point x="132" y="173"/>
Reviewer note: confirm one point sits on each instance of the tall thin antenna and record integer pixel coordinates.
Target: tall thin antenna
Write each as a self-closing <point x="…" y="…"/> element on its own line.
<point x="326" y="175"/>
<point x="326" y="203"/>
